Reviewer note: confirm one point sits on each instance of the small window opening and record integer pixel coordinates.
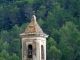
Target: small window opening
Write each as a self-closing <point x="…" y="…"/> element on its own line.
<point x="42" y="52"/>
<point x="29" y="51"/>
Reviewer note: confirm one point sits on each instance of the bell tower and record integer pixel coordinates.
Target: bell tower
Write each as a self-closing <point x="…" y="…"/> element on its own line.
<point x="33" y="42"/>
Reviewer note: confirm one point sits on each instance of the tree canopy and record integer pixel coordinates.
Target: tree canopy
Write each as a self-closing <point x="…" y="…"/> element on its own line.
<point x="60" y="19"/>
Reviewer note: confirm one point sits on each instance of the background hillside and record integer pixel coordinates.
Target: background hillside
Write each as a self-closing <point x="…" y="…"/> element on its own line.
<point x="60" y="19"/>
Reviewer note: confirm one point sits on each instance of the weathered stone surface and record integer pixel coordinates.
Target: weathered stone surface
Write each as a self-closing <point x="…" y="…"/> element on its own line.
<point x="34" y="42"/>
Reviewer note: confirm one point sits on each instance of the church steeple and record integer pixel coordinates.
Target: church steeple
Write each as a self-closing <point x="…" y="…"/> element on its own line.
<point x="33" y="42"/>
<point x="34" y="28"/>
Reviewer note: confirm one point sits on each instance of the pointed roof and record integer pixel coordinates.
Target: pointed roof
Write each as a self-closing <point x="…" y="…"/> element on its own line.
<point x="33" y="28"/>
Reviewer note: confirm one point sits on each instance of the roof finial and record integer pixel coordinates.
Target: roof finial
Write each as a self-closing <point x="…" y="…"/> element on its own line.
<point x="34" y="17"/>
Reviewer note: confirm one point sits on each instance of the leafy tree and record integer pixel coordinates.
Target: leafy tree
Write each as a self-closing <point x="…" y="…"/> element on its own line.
<point x="77" y="56"/>
<point x="69" y="53"/>
<point x="5" y="46"/>
<point x="41" y="11"/>
<point x="1" y="43"/>
<point x="5" y="55"/>
<point x="2" y="58"/>
<point x="54" y="17"/>
<point x="54" y="53"/>
<point x="71" y="33"/>
<point x="16" y="31"/>
<point x="5" y="35"/>
<point x="77" y="49"/>
<point x="14" y="14"/>
<point x="69" y="36"/>
<point x="41" y="22"/>
<point x="15" y="46"/>
<point x="56" y="35"/>
<point x="14" y="57"/>
<point x="51" y="42"/>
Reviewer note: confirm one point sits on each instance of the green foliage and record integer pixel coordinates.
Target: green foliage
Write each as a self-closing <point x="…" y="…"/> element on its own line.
<point x="1" y="42"/>
<point x="5" y="55"/>
<point x="60" y="19"/>
<point x="2" y="58"/>
<point x="15" y="46"/>
<point x="41" y="11"/>
<point x="5" y="35"/>
<point x="51" y="42"/>
<point x="14" y="57"/>
<point x="5" y="46"/>
<point x="54" y="53"/>
<point x="41" y="22"/>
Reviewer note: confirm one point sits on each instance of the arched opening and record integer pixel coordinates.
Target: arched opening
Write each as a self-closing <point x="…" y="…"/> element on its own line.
<point x="29" y="51"/>
<point x="42" y="52"/>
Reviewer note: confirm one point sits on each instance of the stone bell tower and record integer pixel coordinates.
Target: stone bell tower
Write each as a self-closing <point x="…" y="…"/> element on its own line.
<point x="33" y="42"/>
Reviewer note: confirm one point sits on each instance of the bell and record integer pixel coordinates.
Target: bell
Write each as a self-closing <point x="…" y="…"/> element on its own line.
<point x="30" y="52"/>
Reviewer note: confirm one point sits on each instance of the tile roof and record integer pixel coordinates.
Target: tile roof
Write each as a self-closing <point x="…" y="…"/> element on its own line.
<point x="33" y="27"/>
